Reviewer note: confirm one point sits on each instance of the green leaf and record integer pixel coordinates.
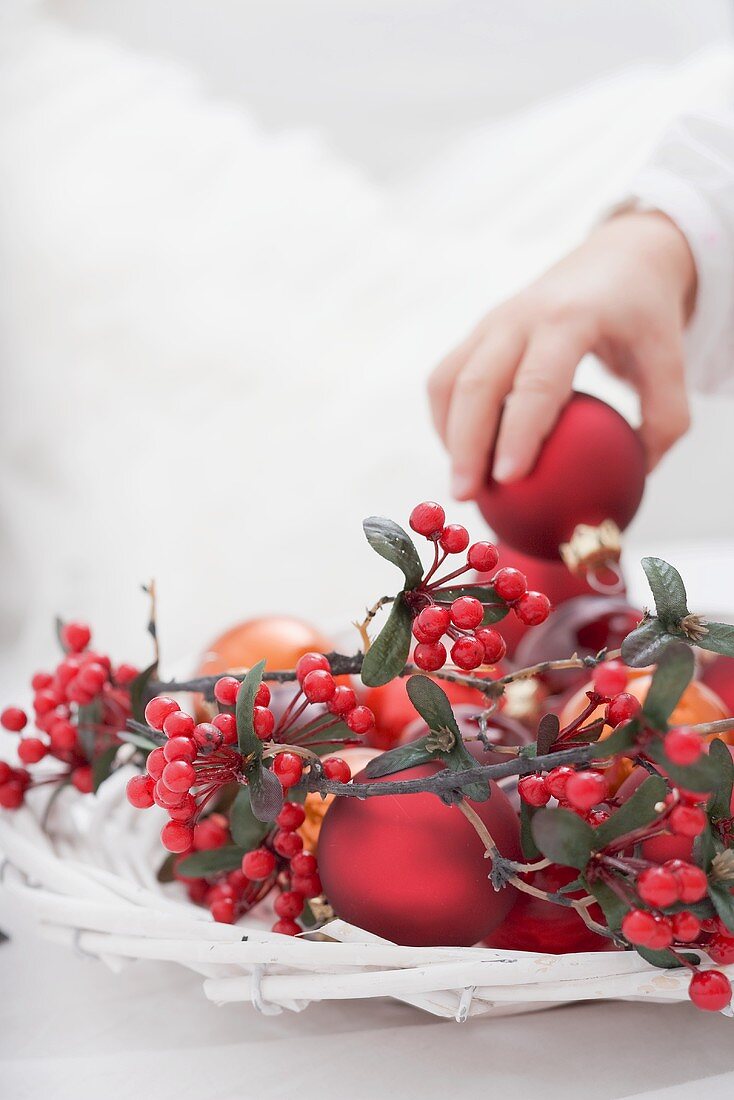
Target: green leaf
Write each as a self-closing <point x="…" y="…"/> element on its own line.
<point x="666" y="960"/>
<point x="246" y="830"/>
<point x="142" y="736"/>
<point x="704" y="849"/>
<point x="432" y="703"/>
<point x="720" y="803"/>
<point x="668" y="590"/>
<point x="387" y="656"/>
<point x="670" y="679"/>
<point x="719" y="639"/>
<point x="266" y="792"/>
<point x="212" y="861"/>
<point x="548" y="729"/>
<point x="611" y="904"/>
<point x="396" y="760"/>
<point x="102" y="766"/>
<point x="89" y="718"/>
<point x="723" y="903"/>
<point x="495" y="608"/>
<point x="563" y="837"/>
<point x="530" y="849"/>
<point x="623" y="738"/>
<point x="644" y="645"/>
<point x="139" y="691"/>
<point x="395" y="545"/>
<point x="638" y="810"/>
<point x="249" y="743"/>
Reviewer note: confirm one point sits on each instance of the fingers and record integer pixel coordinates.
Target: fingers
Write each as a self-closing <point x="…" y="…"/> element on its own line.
<point x="541" y="388"/>
<point x="441" y="382"/>
<point x="663" y="399"/>
<point x="474" y="406"/>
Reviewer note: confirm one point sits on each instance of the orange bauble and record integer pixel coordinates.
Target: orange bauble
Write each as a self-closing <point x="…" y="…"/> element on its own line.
<point x="698" y="703"/>
<point x="411" y="869"/>
<point x="277" y="638"/>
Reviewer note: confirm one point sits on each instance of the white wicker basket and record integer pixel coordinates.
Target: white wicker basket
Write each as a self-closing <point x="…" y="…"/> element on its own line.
<point x="91" y="885"/>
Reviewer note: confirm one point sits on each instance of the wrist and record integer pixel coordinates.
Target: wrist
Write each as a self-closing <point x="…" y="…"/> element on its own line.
<point x="658" y="242"/>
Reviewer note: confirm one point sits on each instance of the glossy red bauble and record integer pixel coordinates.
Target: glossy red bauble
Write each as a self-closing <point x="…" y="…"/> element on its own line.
<point x="411" y="869"/>
<point x="591" y="468"/>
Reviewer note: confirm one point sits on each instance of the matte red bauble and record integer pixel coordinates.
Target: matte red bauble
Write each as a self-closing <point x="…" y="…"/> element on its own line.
<point x="591" y="469"/>
<point x="537" y="925"/>
<point x="411" y="869"/>
<point x="719" y="676"/>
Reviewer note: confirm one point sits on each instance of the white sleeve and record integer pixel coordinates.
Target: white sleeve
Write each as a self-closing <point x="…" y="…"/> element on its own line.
<point x="690" y="178"/>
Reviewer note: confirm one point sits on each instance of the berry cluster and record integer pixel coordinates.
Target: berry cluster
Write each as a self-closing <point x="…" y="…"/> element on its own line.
<point x="438" y="614"/>
<point x="79" y="708"/>
<point x="197" y="761"/>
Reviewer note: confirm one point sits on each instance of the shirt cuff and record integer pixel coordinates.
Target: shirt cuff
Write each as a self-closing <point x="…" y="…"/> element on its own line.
<point x="711" y="247"/>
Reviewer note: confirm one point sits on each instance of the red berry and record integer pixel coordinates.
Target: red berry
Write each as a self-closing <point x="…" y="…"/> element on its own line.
<point x="288" y="767"/>
<point x="585" y="789"/>
<point x="683" y="746"/>
<point x="155" y="763"/>
<point x="75" y="636"/>
<point x="291" y="817"/>
<point x="179" y="776"/>
<point x="360" y="720"/>
<point x="180" y="748"/>
<point x="661" y="935"/>
<point x="454" y="538"/>
<point x="258" y="864"/>
<point x="139" y="791"/>
<point x="263" y="721"/>
<point x="222" y="909"/>
<point x="62" y="735"/>
<point x="208" y="736"/>
<point x="287" y="843"/>
<point x="342" y="701"/>
<point x="237" y="880"/>
<point x="467" y="653"/>
<point x="721" y="948"/>
<point x="687" y="927"/>
<point x="185" y="810"/>
<point x="76" y="693"/>
<point x="557" y="779"/>
<point x="210" y="834"/>
<point x="225" y="690"/>
<point x="610" y="678"/>
<point x="41" y="680"/>
<point x="319" y="686"/>
<point x="428" y="519"/>
<point x="622" y="707"/>
<point x="687" y="821"/>
<point x="158" y="710"/>
<point x="125" y="674"/>
<point x="81" y="777"/>
<point x="165" y="797"/>
<point x="262" y="696"/>
<point x="286" y="927"/>
<point x="6" y="772"/>
<point x="177" y="837"/>
<point x="710" y="990"/>
<point x="13" y="719"/>
<point x="336" y="768"/>
<point x="31" y="750"/>
<point x="533" y="789"/>
<point x="430" y="657"/>
<point x="11" y="794"/>
<point x="533" y="608"/>
<point x="304" y="863"/>
<point x="658" y="887"/>
<point x="483" y="556"/>
<point x="289" y="904"/>
<point x="310" y="662"/>
<point x="510" y="584"/>
<point x="307" y="885"/>
<point x="93" y="677"/>
<point x="493" y="643"/>
<point x="45" y="700"/>
<point x="639" y="927"/>
<point x="692" y="880"/>
<point x="67" y="670"/>
<point x="433" y="622"/>
<point x="227" y="725"/>
<point x="178" y="724"/>
<point x="467" y="612"/>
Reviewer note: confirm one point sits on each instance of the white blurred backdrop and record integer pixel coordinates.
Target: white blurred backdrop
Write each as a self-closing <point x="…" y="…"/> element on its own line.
<point x="235" y="237"/>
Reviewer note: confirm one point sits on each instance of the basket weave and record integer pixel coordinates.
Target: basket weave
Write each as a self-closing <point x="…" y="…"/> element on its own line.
<point x="89" y="882"/>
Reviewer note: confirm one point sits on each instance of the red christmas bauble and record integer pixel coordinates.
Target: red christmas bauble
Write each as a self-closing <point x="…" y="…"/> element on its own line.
<point x="719" y="676"/>
<point x="411" y="869"/>
<point x="591" y="468"/>
<point x="394" y="711"/>
<point x="538" y="925"/>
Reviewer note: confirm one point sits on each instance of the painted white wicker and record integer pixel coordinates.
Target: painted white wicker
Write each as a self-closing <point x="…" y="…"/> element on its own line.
<point x="89" y="882"/>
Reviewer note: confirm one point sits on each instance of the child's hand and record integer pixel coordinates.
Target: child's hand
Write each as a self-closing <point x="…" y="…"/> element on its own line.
<point x="625" y="295"/>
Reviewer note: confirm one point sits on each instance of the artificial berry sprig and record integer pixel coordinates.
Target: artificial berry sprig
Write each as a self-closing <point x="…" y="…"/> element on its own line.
<point x="79" y="708"/>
